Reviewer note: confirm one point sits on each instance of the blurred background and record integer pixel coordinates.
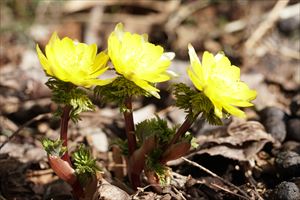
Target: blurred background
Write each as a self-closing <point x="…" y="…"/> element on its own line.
<point x="261" y="37"/>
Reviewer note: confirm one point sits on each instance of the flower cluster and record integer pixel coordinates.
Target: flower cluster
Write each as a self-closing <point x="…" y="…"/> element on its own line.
<point x="145" y="64"/>
<point x="74" y="69"/>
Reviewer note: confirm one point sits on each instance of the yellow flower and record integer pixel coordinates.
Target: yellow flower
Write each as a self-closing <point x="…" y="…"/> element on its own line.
<point x="73" y="62"/>
<point x="138" y="60"/>
<point x="220" y="82"/>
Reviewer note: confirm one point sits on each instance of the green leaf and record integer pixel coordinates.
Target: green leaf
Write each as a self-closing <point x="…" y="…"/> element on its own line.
<point x="54" y="147"/>
<point x="85" y="165"/>
<point x="190" y="138"/>
<point x="157" y="127"/>
<point x="122" y="144"/>
<point x="162" y="171"/>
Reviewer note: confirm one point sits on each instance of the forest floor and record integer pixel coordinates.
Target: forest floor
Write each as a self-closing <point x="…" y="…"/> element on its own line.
<point x="257" y="158"/>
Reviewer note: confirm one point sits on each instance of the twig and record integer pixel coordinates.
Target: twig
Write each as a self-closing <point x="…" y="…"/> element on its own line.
<point x="267" y="24"/>
<point x="179" y="193"/>
<point x="183" y="12"/>
<point x="240" y="24"/>
<point x="142" y="189"/>
<point x="37" y="118"/>
<point x="228" y="191"/>
<point x="216" y="176"/>
<point x="247" y="168"/>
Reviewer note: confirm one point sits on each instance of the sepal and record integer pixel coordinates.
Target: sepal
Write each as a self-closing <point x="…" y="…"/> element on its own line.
<point x="117" y="91"/>
<point x="195" y="102"/>
<point x="64" y="93"/>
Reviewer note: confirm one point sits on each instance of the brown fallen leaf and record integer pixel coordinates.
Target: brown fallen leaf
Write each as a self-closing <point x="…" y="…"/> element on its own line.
<point x="241" y="141"/>
<point x="106" y="191"/>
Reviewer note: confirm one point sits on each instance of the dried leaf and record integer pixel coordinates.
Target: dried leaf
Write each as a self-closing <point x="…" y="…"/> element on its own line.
<point x="241" y="141"/>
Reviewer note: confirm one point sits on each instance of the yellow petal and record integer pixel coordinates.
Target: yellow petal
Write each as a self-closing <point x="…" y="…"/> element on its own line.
<point x="217" y="108"/>
<point x="119" y="31"/>
<point x="44" y="61"/>
<point x="157" y="78"/>
<point x="196" y="64"/>
<point x="208" y="59"/>
<point x="99" y="64"/>
<point x="208" y="64"/>
<point x="195" y="79"/>
<point x="56" y="68"/>
<point x="193" y="55"/>
<point x="234" y="111"/>
<point x="99" y="82"/>
<point x="54" y="39"/>
<point x="145" y="37"/>
<point x="146" y="86"/>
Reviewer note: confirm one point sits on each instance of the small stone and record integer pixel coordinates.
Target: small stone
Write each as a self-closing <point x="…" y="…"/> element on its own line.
<point x="58" y="190"/>
<point x="144" y="113"/>
<point x="273" y="120"/>
<point x="291" y="146"/>
<point x="286" y="191"/>
<point x="177" y="116"/>
<point x="35" y="154"/>
<point x="295" y="106"/>
<point x="97" y="138"/>
<point x="111" y="192"/>
<point x="288" y="163"/>
<point x="289" y="25"/>
<point x="293" y="129"/>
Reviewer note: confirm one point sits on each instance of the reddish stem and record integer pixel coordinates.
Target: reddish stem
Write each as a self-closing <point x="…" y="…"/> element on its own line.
<point x="65" y="117"/>
<point x="64" y="122"/>
<point x="129" y="126"/>
<point x="182" y="130"/>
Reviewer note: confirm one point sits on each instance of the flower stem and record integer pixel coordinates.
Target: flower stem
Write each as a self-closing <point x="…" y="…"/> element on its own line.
<point x="129" y="126"/>
<point x="64" y="122"/>
<point x="65" y="117"/>
<point x="182" y="129"/>
<point x="134" y="177"/>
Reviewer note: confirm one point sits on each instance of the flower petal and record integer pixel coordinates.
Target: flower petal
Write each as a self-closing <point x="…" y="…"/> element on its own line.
<point x="99" y="82"/>
<point x="44" y="61"/>
<point x="234" y="111"/>
<point x="195" y="79"/>
<point x="99" y="66"/>
<point x="146" y="86"/>
<point x="119" y="31"/>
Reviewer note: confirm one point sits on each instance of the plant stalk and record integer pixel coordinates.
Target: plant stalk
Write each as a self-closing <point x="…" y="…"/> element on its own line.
<point x="132" y="145"/>
<point x="182" y="129"/>
<point x="129" y="126"/>
<point x="64" y="122"/>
